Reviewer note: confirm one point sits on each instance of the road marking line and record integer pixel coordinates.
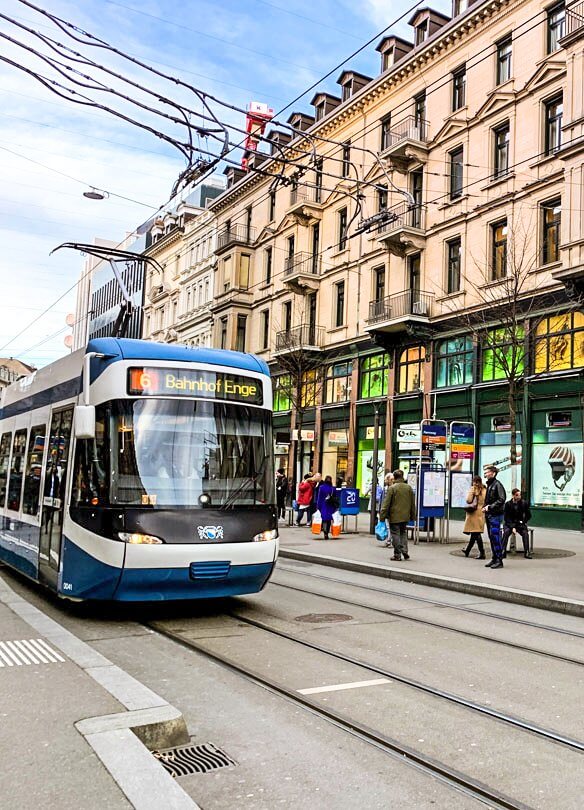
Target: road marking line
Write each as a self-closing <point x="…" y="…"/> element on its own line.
<point x="339" y="686"/>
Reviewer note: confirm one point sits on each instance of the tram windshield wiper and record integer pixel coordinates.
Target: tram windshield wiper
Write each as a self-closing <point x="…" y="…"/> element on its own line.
<point x="244" y="486"/>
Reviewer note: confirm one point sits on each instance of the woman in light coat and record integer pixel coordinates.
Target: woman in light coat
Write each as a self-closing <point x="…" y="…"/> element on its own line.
<point x="475" y="520"/>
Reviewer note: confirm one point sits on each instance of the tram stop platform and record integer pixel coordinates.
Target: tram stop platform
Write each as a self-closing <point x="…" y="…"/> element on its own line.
<point x="552" y="580"/>
<point x="75" y="730"/>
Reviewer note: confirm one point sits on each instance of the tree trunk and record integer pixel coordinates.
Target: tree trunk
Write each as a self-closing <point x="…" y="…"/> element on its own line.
<point x="513" y="423"/>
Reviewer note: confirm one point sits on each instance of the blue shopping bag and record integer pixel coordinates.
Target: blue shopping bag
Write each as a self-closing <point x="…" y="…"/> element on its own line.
<point x="381" y="531"/>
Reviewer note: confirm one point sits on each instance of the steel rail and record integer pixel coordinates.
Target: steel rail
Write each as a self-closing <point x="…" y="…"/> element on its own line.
<point x="508" y="719"/>
<point x="402" y="753"/>
<point x="417" y="620"/>
<point x="429" y="601"/>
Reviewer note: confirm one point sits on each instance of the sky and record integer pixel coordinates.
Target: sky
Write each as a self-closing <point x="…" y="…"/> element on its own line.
<point x="52" y="150"/>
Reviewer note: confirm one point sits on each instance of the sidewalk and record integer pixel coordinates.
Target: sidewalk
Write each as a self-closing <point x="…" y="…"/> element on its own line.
<point x="552" y="580"/>
<point x="74" y="727"/>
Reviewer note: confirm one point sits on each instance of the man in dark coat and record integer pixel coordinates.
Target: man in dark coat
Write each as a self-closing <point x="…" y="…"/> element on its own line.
<point x="517" y="514"/>
<point x="281" y="492"/>
<point x="399" y="507"/>
<point x="493" y="509"/>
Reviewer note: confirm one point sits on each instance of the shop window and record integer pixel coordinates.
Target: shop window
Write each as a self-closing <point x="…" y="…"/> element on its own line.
<point x="16" y="471"/>
<point x="454" y="362"/>
<point x="410" y="369"/>
<point x="282" y="390"/>
<point x="32" y="478"/>
<point x="503" y="354"/>
<point x="4" y="459"/>
<point x="338" y="382"/>
<point x="309" y="390"/>
<point x="335" y="453"/>
<point x="373" y="376"/>
<point x="559" y="342"/>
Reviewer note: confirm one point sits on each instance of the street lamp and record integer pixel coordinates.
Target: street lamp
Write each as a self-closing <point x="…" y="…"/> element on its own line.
<point x="95" y="194"/>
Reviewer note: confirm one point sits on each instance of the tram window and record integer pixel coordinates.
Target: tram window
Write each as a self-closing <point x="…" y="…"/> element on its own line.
<point x="90" y="479"/>
<point x="16" y="469"/>
<point x="58" y="456"/>
<point x="32" y="478"/>
<point x="4" y="459"/>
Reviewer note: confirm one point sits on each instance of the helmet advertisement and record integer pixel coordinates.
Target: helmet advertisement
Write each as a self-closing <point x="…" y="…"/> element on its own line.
<point x="557" y="475"/>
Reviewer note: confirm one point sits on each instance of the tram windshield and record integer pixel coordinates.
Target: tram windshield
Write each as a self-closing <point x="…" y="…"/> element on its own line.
<point x="182" y="453"/>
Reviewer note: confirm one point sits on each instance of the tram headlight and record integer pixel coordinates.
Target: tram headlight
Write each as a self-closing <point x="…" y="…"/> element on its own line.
<point x="140" y="539"/>
<point x="270" y="534"/>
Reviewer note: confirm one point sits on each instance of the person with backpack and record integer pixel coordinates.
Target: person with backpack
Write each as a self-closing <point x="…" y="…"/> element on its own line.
<point x="494" y="507"/>
<point x="474" y="523"/>
<point x="327" y="504"/>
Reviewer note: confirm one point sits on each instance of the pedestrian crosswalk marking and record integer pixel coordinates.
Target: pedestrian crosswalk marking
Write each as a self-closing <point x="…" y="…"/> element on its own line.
<point x="26" y="652"/>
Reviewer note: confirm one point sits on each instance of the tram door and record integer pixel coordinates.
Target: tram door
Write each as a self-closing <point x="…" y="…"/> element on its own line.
<point x="54" y="494"/>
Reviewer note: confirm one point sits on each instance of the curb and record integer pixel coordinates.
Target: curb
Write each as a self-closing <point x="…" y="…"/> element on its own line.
<point x="121" y="741"/>
<point x="570" y="607"/>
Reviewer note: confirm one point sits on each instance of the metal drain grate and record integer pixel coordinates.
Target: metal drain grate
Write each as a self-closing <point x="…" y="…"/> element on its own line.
<point x="186" y="759"/>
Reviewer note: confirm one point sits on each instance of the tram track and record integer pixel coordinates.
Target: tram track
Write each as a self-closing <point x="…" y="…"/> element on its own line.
<point x="416" y="620"/>
<point x="404" y="753"/>
<point x="427" y="600"/>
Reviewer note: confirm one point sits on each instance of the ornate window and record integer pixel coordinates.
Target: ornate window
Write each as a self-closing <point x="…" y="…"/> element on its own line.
<point x="373" y="376"/>
<point x="454" y="362"/>
<point x="282" y="401"/>
<point x="559" y="342"/>
<point x="410" y="369"/>
<point x="552" y="217"/>
<point x="503" y="353"/>
<point x="338" y="382"/>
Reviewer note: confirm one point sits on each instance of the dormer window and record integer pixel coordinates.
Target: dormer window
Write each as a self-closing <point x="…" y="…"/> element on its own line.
<point x="387" y="60"/>
<point x="422" y="32"/>
<point x="347" y="90"/>
<point x="319" y="111"/>
<point x="459" y="6"/>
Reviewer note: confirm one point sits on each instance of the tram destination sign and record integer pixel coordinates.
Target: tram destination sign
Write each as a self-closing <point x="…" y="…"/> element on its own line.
<point x="177" y="382"/>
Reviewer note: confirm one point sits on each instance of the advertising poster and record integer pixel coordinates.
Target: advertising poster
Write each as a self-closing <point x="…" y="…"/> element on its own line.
<point x="500" y="457"/>
<point x="365" y="470"/>
<point x="557" y="475"/>
<point x="461" y="483"/>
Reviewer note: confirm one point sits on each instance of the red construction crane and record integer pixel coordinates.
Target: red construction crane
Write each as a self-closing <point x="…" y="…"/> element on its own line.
<point x="256" y="119"/>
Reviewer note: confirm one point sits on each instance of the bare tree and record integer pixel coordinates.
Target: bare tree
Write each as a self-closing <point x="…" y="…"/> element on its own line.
<point x="510" y="306"/>
<point x="300" y="381"/>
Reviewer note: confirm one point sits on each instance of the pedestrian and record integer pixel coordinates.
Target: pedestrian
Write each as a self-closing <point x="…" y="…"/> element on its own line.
<point x="327" y="504"/>
<point x="399" y="506"/>
<point x="474" y="523"/>
<point x="282" y="488"/>
<point x="316" y="482"/>
<point x="494" y="507"/>
<point x="304" y="498"/>
<point x="515" y="518"/>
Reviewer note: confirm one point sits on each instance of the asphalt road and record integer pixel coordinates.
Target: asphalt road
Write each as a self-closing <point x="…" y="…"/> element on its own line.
<point x="404" y="642"/>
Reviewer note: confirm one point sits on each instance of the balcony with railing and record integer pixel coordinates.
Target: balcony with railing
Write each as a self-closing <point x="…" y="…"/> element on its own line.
<point x="406" y="142"/>
<point x="235" y="235"/>
<point x="395" y="312"/>
<point x="404" y="228"/>
<point x="306" y="337"/>
<point x="574" y="26"/>
<point x="305" y="203"/>
<point x="302" y="271"/>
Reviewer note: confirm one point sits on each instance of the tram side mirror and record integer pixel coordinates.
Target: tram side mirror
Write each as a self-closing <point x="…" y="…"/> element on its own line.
<point x="85" y="421"/>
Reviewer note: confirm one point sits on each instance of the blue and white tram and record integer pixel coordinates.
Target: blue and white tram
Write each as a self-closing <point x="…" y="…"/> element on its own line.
<point x="133" y="471"/>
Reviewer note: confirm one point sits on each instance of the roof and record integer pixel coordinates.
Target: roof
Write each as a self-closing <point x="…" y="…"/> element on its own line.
<point x="126" y="349"/>
<point x="17" y="366"/>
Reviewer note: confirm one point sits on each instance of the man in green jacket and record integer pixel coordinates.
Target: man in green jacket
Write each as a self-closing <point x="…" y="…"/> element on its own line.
<point x="399" y="506"/>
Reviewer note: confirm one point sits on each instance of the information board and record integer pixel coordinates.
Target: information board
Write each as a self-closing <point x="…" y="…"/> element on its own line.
<point x="461" y="482"/>
<point x="433" y="493"/>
